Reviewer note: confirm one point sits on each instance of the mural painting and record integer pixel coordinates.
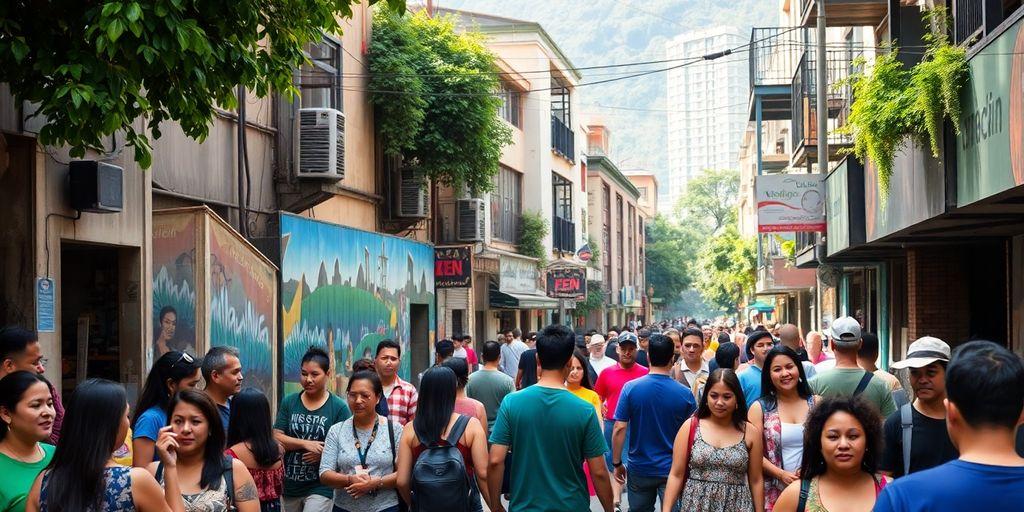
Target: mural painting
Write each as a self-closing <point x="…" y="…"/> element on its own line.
<point x="242" y="291"/>
<point x="345" y="290"/>
<point x="174" y="284"/>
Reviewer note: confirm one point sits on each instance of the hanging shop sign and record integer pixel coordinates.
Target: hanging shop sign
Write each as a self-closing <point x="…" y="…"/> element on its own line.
<point x="567" y="283"/>
<point x="790" y="202"/>
<point x="519" y="275"/>
<point x="453" y="267"/>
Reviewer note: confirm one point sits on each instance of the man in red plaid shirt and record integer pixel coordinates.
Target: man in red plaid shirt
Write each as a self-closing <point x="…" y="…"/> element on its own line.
<point x="401" y="395"/>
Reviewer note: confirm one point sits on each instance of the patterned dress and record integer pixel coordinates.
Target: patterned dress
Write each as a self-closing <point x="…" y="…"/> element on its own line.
<point x="718" y="478"/>
<point x="773" y="448"/>
<point x="117" y="495"/>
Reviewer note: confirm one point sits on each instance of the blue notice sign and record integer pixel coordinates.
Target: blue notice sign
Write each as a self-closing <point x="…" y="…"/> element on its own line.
<point x="45" y="304"/>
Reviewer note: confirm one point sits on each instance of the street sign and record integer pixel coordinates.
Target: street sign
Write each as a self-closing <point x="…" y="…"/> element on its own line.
<point x="567" y="283"/>
<point x="45" y="304"/>
<point x="567" y="304"/>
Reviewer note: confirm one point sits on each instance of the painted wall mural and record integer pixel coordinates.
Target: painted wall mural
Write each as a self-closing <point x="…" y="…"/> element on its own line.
<point x="345" y="290"/>
<point x="174" y="284"/>
<point x="242" y="312"/>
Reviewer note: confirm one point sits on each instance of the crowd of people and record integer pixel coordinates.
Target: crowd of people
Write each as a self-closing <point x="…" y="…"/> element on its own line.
<point x="671" y="417"/>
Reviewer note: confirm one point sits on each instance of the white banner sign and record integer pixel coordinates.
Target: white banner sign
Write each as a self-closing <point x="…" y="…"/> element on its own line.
<point x="518" y="276"/>
<point x="790" y="202"/>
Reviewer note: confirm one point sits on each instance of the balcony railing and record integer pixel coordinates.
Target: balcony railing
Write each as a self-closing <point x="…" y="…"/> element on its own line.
<point x="775" y="53"/>
<point x="563" y="234"/>
<point x="563" y="139"/>
<point x="968" y="19"/>
<point x="840" y="64"/>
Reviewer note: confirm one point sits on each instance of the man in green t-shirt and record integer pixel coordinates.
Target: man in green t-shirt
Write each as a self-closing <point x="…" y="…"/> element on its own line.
<point x="490" y="385"/>
<point x="847" y="376"/>
<point x="553" y="433"/>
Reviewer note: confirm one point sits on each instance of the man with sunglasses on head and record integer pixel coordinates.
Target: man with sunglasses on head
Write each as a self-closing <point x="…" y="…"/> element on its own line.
<point x="20" y="351"/>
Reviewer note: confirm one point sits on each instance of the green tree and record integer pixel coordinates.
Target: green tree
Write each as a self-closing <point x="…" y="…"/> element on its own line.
<point x="671" y="250"/>
<point x="726" y="272"/>
<point x="93" y="68"/>
<point x="434" y="91"/>
<point x="710" y="199"/>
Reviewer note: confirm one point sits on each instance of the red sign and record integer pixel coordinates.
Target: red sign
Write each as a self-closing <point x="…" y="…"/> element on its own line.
<point x="453" y="267"/>
<point x="567" y="283"/>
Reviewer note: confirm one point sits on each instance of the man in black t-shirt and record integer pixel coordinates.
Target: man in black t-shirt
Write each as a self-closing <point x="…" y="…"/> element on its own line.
<point x="930" y="445"/>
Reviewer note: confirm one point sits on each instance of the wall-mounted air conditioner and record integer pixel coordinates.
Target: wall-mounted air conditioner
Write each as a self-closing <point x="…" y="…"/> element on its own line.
<point x="471" y="219"/>
<point x="413" y="197"/>
<point x="321" y="143"/>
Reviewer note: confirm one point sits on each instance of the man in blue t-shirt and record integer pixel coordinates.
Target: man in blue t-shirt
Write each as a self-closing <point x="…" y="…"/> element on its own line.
<point x="653" y="408"/>
<point x="985" y="397"/>
<point x="757" y="347"/>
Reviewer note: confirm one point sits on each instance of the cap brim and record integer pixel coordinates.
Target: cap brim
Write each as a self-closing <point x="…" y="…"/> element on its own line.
<point x="916" y="362"/>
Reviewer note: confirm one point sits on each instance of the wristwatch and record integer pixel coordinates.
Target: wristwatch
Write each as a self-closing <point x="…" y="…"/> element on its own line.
<point x="616" y="464"/>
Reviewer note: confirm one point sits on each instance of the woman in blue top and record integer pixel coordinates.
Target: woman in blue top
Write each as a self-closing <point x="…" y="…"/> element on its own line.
<point x="83" y="475"/>
<point x="172" y="372"/>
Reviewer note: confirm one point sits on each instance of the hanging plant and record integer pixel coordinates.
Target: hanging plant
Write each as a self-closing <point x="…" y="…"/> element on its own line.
<point x="594" y="301"/>
<point x="893" y="104"/>
<point x="532" y="231"/>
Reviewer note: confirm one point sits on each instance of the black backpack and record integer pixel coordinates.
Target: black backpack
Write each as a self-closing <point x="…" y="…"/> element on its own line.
<point x="439" y="479"/>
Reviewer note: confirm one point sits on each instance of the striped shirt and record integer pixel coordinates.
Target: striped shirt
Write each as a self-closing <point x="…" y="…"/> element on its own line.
<point x="401" y="401"/>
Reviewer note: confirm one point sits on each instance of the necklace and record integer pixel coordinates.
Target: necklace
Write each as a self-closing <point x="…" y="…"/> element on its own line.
<point x="22" y="460"/>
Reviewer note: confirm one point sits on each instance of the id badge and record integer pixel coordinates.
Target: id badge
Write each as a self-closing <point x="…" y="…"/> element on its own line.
<point x="360" y="470"/>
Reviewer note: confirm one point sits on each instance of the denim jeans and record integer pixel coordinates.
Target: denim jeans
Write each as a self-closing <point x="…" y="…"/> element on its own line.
<point x="644" y="490"/>
<point x="609" y="427"/>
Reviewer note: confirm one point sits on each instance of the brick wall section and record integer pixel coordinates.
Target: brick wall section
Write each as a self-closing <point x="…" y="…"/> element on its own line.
<point x="936" y="294"/>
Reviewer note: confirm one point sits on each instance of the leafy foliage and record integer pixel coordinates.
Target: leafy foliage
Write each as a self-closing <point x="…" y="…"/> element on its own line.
<point x="95" y="67"/>
<point x="893" y="104"/>
<point x="434" y="91"/>
<point x="726" y="269"/>
<point x="710" y="198"/>
<point x="595" y="299"/>
<point x="532" y="230"/>
<point x="595" y="252"/>
<point x="671" y="250"/>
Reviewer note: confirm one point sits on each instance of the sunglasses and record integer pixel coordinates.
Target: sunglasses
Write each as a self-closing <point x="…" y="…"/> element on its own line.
<point x="184" y="357"/>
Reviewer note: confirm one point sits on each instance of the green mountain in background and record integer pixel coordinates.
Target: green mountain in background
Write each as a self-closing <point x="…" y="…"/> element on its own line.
<point x="601" y="32"/>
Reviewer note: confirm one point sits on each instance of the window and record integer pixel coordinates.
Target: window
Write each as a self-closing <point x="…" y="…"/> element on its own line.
<point x="632" y="245"/>
<point x="320" y="79"/>
<point x="563" y="230"/>
<point x="643" y="193"/>
<point x="458" y="322"/>
<point x="619" y="239"/>
<point x="560" y="102"/>
<point x="562" y="194"/>
<point x="507" y="205"/>
<point x="511" y="104"/>
<point x="606" y="226"/>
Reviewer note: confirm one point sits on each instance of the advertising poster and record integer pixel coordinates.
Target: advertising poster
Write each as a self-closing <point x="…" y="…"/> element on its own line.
<point x="790" y="202"/>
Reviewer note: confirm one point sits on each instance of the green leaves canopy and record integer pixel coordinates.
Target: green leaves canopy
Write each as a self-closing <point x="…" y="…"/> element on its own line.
<point x="94" y="67"/>
<point x="726" y="269"/>
<point x="711" y="198"/>
<point x="435" y="94"/>
<point x="670" y="252"/>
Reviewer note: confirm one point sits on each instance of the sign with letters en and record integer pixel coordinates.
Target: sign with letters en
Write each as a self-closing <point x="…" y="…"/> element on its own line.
<point x="790" y="202"/>
<point x="45" y="304"/>
<point x="567" y="283"/>
<point x="453" y="267"/>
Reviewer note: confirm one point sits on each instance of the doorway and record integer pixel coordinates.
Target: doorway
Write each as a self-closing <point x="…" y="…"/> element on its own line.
<point x="89" y="304"/>
<point x="419" y="339"/>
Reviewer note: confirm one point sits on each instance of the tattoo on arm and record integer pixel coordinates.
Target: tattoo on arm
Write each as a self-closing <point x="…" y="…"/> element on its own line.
<point x="247" y="492"/>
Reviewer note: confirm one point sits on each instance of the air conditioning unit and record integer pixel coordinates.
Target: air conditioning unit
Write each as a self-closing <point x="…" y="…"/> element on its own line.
<point x="413" y="196"/>
<point x="471" y="219"/>
<point x="321" y="143"/>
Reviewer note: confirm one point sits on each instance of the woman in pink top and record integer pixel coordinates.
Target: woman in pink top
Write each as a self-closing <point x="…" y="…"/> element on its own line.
<point x="463" y="404"/>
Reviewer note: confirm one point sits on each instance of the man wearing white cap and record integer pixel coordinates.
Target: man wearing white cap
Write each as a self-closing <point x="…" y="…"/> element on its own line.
<point x="848" y="378"/>
<point x="598" y="360"/>
<point x="915" y="436"/>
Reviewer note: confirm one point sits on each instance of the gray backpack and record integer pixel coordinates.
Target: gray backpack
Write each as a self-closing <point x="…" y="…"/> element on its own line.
<point x="439" y="478"/>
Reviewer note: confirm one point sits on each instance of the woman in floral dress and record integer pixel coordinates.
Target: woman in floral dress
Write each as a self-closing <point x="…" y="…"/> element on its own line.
<point x="716" y="458"/>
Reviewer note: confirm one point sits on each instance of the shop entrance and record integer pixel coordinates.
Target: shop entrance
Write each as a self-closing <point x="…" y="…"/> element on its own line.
<point x="91" y="328"/>
<point x="419" y="338"/>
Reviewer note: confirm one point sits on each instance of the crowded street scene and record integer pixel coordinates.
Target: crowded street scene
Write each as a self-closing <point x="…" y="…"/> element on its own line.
<point x="523" y="256"/>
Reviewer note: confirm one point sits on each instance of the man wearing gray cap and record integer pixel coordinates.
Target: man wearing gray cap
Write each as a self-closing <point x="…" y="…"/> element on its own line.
<point x="915" y="436"/>
<point x="847" y="378"/>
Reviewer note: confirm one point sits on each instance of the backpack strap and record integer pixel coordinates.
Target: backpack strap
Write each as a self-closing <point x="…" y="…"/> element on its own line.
<point x="391" y="439"/>
<point x="457" y="430"/>
<point x="227" y="471"/>
<point x="863" y="384"/>
<point x="907" y="424"/>
<point x="159" y="472"/>
<point x="805" y="491"/>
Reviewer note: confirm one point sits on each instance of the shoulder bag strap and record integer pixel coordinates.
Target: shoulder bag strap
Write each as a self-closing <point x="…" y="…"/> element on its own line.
<point x="907" y="423"/>
<point x="805" y="491"/>
<point x="863" y="384"/>
<point x="229" y="482"/>
<point x="391" y="438"/>
<point x="457" y="430"/>
<point x="689" y="446"/>
<point x="159" y="472"/>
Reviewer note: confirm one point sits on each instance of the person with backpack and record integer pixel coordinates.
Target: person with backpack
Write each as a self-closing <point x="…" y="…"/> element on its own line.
<point x="915" y="436"/>
<point x="442" y="451"/>
<point x="210" y="481"/>
<point x="360" y="452"/>
<point x="848" y="379"/>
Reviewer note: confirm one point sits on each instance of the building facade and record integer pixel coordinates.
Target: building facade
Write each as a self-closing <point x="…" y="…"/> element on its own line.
<point x="706" y="101"/>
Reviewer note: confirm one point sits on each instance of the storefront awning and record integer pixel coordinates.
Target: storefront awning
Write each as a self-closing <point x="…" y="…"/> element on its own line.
<point x="503" y="300"/>
<point x="761" y="307"/>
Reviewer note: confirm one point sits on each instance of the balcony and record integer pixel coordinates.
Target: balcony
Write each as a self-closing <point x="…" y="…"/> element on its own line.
<point x="805" y="115"/>
<point x="774" y="55"/>
<point x="968" y="17"/>
<point x="847" y="13"/>
<point x="563" y="140"/>
<point x="563" y="235"/>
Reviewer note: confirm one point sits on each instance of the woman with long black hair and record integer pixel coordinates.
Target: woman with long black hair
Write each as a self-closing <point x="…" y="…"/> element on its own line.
<point x="716" y="457"/>
<point x="26" y="421"/>
<point x="171" y="373"/>
<point x="435" y="419"/>
<point x="251" y="440"/>
<point x="210" y="480"/>
<point x="786" y="399"/>
<point x="83" y="475"/>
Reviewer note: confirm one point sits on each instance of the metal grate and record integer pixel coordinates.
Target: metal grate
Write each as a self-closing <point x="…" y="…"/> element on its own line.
<point x="968" y="16"/>
<point x="775" y="53"/>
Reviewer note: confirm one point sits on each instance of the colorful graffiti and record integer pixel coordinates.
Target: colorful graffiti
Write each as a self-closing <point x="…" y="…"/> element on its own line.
<point x="242" y="290"/>
<point x="345" y="290"/>
<point x="174" y="284"/>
